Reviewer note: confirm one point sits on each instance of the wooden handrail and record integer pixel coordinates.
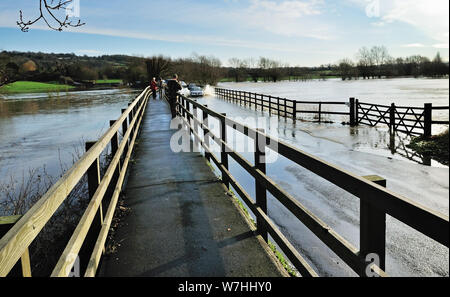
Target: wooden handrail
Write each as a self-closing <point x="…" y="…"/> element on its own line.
<point x="18" y="239"/>
<point x="431" y="223"/>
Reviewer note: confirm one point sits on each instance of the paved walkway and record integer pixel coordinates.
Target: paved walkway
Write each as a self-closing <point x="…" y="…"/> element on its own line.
<point x="182" y="224"/>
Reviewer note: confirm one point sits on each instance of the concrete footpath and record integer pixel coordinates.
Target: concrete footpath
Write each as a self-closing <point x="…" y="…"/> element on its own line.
<point x="182" y="223"/>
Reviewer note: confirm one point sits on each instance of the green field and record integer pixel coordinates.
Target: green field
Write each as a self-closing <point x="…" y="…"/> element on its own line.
<point x="33" y="87"/>
<point x="108" y="81"/>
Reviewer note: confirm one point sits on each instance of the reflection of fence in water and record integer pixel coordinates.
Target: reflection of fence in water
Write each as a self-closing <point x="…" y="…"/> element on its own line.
<point x="398" y="145"/>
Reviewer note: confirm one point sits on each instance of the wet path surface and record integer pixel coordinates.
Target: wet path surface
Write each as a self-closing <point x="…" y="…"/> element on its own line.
<point x="182" y="223"/>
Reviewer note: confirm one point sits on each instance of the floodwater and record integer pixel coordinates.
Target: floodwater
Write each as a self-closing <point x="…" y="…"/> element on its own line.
<point x="39" y="130"/>
<point x="49" y="130"/>
<point x="362" y="150"/>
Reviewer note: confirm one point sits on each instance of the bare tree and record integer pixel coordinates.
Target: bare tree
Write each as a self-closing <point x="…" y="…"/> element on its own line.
<point x="237" y="68"/>
<point x="48" y="13"/>
<point x="158" y="66"/>
<point x="346" y="68"/>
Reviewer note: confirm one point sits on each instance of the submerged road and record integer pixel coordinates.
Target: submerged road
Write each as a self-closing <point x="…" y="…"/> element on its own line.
<point x="182" y="222"/>
<point x="361" y="150"/>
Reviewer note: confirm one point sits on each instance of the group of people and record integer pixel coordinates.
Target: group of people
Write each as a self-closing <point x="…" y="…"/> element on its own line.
<point x="173" y="86"/>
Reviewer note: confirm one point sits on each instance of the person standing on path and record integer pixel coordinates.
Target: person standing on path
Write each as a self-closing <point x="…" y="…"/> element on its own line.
<point x="154" y="87"/>
<point x="173" y="87"/>
<point x="160" y="87"/>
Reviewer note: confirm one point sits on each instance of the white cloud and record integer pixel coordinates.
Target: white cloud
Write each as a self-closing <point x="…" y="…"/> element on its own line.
<point x="288" y="9"/>
<point x="432" y="17"/>
<point x="441" y="45"/>
<point x="429" y="16"/>
<point x="294" y="18"/>
<point x="414" y="45"/>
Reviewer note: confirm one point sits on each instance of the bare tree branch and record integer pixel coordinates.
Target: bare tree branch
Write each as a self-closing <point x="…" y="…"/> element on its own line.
<point x="47" y="13"/>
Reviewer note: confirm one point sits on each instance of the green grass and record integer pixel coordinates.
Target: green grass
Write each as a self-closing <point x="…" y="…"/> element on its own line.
<point x="33" y="87"/>
<point x="437" y="147"/>
<point x="108" y="81"/>
<point x="272" y="246"/>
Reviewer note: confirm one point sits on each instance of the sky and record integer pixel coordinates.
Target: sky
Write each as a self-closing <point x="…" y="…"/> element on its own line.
<point x="295" y="32"/>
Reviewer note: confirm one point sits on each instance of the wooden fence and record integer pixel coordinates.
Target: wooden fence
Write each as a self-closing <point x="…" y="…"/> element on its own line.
<point x="406" y="119"/>
<point x="14" y="245"/>
<point x="280" y="106"/>
<point x="375" y="200"/>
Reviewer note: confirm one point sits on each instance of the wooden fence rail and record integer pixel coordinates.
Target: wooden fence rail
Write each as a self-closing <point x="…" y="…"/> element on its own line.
<point x="376" y="201"/>
<point x="281" y="106"/>
<point x="15" y="243"/>
<point x="406" y="119"/>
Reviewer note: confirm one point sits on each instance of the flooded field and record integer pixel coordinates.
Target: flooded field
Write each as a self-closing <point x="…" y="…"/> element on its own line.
<point x="362" y="150"/>
<point x="38" y="130"/>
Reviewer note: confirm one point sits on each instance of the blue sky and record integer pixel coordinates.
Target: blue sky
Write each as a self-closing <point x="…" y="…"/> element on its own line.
<point x="298" y="32"/>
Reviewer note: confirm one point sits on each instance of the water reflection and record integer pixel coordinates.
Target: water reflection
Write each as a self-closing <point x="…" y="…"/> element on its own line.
<point x="398" y="145"/>
<point x="39" y="130"/>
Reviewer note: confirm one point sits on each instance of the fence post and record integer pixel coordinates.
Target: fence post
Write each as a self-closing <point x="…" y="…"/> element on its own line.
<point x="357" y="112"/>
<point x="195" y="114"/>
<point x="427" y="117"/>
<point x="278" y="107"/>
<point x="270" y="105"/>
<point x="114" y="140"/>
<point x="93" y="173"/>
<point x="392" y="118"/>
<point x="372" y="229"/>
<point x="93" y="176"/>
<point x="114" y="148"/>
<point x="6" y="223"/>
<point x="260" y="191"/>
<point x="124" y="131"/>
<point x="352" y="111"/>
<point x="294" y="110"/>
<point x="320" y="112"/>
<point x="205" y="133"/>
<point x="223" y="153"/>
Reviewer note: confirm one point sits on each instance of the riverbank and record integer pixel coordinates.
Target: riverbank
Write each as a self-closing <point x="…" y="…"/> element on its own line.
<point x="22" y="87"/>
<point x="34" y="87"/>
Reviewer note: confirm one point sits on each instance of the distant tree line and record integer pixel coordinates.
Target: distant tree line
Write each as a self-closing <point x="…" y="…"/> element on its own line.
<point x="72" y="69"/>
<point x="377" y="63"/>
<point x="370" y="63"/>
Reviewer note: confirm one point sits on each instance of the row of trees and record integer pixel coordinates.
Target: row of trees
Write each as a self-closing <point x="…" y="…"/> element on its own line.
<point x="262" y="69"/>
<point x="69" y="68"/>
<point x="376" y="63"/>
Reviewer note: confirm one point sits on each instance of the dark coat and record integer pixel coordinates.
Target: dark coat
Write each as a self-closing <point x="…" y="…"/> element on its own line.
<point x="173" y="87"/>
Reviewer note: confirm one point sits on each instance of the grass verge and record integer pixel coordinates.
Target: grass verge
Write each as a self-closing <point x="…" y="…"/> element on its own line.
<point x="285" y="263"/>
<point x="108" y="81"/>
<point x="33" y="87"/>
<point x="435" y="147"/>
